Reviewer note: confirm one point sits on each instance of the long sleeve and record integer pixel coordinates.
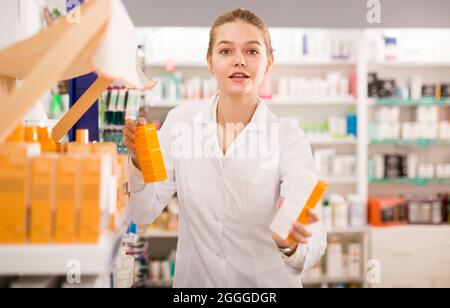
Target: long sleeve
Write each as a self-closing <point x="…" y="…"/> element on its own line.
<point x="296" y="156"/>
<point x="148" y="201"/>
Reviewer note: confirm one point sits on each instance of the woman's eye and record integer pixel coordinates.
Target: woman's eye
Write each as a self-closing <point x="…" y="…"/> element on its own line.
<point x="253" y="52"/>
<point x="225" y="52"/>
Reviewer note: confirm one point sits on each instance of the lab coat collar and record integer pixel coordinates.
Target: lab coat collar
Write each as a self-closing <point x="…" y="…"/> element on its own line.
<point x="207" y="114"/>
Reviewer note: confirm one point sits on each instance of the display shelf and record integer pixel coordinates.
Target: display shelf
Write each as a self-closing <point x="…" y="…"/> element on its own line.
<point x="278" y="102"/>
<point x="418" y="142"/>
<point x="332" y="280"/>
<point x="54" y="259"/>
<point x="426" y="101"/>
<point x="409" y="64"/>
<point x="406" y="181"/>
<point x="295" y="62"/>
<point x="332" y="141"/>
<point x="348" y="230"/>
<point x="155" y="233"/>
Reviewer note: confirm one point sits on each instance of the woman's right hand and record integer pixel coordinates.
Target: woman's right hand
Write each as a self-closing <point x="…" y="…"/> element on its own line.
<point x="129" y="137"/>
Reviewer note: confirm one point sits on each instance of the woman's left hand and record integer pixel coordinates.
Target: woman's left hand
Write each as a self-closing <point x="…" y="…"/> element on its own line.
<point x="298" y="233"/>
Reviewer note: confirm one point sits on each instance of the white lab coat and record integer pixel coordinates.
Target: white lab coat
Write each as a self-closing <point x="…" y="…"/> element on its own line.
<point x="227" y="202"/>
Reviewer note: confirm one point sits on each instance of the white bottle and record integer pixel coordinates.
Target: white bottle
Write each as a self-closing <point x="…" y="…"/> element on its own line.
<point x="357" y="211"/>
<point x="340" y="211"/>
<point x="354" y="260"/>
<point x="327" y="215"/>
<point x="335" y="259"/>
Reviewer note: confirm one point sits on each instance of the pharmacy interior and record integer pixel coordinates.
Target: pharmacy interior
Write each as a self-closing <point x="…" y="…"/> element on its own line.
<point x="374" y="103"/>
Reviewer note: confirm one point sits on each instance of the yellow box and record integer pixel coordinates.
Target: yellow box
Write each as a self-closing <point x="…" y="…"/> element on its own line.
<point x="149" y="153"/>
<point x="92" y="206"/>
<point x="14" y="190"/>
<point x="43" y="197"/>
<point x="107" y="148"/>
<point x="67" y="199"/>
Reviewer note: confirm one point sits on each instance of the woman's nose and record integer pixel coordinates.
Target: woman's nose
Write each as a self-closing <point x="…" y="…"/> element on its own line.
<point x="239" y="60"/>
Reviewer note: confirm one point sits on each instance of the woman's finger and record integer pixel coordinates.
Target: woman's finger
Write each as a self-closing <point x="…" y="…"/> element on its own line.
<point x="298" y="237"/>
<point x="297" y="227"/>
<point x="280" y="203"/>
<point x="313" y="217"/>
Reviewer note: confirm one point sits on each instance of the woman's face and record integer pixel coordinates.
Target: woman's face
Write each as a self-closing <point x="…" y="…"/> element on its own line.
<point x="239" y="58"/>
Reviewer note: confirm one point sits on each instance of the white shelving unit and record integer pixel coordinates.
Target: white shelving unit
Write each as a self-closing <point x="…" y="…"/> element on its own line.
<point x="52" y="260"/>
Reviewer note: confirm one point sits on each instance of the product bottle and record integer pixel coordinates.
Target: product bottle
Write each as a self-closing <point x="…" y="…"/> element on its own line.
<point x="327" y="215"/>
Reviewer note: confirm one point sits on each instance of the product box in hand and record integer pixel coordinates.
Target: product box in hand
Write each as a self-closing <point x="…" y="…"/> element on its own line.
<point x="311" y="189"/>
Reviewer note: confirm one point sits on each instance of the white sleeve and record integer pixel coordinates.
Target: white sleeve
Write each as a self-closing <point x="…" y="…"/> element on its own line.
<point x="296" y="156"/>
<point x="148" y="201"/>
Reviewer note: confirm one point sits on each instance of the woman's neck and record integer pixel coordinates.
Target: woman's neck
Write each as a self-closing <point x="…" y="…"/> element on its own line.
<point x="236" y="109"/>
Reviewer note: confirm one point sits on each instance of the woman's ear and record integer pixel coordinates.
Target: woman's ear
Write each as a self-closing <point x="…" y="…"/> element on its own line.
<point x="270" y="61"/>
<point x="209" y="62"/>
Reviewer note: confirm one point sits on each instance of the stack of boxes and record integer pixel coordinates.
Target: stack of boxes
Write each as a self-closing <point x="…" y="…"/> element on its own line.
<point x="64" y="197"/>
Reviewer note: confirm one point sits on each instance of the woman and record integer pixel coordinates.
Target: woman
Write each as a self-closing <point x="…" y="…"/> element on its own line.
<point x="231" y="162"/>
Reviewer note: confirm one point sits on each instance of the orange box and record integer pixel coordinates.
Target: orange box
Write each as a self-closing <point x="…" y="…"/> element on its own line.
<point x="149" y="153"/>
<point x="47" y="143"/>
<point x="43" y="197"/>
<point x="67" y="199"/>
<point x="310" y="190"/>
<point x="14" y="190"/>
<point x="92" y="203"/>
<point x="385" y="211"/>
<point x="77" y="148"/>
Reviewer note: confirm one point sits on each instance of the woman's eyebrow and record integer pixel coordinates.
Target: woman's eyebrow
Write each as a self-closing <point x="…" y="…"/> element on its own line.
<point x="247" y="43"/>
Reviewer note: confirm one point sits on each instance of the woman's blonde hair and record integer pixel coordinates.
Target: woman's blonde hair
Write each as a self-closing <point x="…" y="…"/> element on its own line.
<point x="244" y="16"/>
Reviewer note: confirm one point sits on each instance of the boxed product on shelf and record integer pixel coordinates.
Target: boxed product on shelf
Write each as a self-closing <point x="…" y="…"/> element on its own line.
<point x="426" y="209"/>
<point x="43" y="191"/>
<point x="66" y="197"/>
<point x="67" y="192"/>
<point x="14" y="190"/>
<point x="354" y="261"/>
<point x="340" y="212"/>
<point x="335" y="259"/>
<point x="444" y="130"/>
<point x="385" y="211"/>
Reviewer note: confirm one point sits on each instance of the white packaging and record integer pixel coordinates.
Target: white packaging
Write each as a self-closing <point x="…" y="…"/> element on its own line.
<point x="379" y="166"/>
<point x="327" y="213"/>
<point x="354" y="260"/>
<point x="416" y="87"/>
<point x="410" y="131"/>
<point x="357" y="214"/>
<point x="412" y="162"/>
<point x="426" y="171"/>
<point x="427" y="114"/>
<point x="335" y="260"/>
<point x="340" y="211"/>
<point x="288" y="214"/>
<point x="428" y="130"/>
<point x="441" y="171"/>
<point x="444" y="130"/>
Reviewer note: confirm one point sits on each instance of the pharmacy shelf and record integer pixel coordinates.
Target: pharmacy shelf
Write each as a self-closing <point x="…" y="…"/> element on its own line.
<point x="332" y="141"/>
<point x="294" y="62"/>
<point x="409" y="64"/>
<point x="32" y="260"/>
<point x="418" y="142"/>
<point x="405" y="181"/>
<point x="154" y="233"/>
<point x="278" y="102"/>
<point x="341" y="180"/>
<point x="311" y="102"/>
<point x="348" y="230"/>
<point x="409" y="103"/>
<point x="328" y="280"/>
